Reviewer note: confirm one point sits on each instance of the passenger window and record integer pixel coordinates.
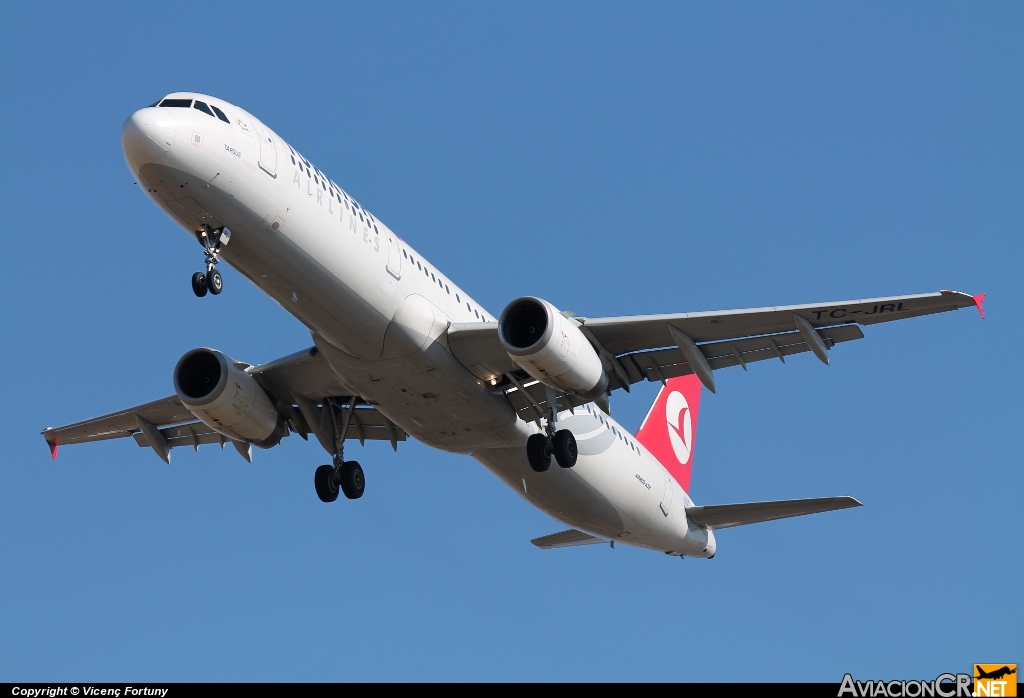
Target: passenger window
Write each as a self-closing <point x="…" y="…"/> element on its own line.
<point x="448" y="290"/>
<point x="404" y="254"/>
<point x="457" y="299"/>
<point x="467" y="306"/>
<point x="201" y="106"/>
<point x="220" y="114"/>
<point x="186" y="103"/>
<point x="432" y="276"/>
<point x="293" y="159"/>
<point x="477" y="314"/>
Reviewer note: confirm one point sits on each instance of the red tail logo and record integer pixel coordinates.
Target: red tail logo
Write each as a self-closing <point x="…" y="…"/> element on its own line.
<point x="670" y="428"/>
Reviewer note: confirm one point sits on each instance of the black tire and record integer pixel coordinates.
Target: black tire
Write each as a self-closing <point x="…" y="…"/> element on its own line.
<point x="564" y="447"/>
<point x="537" y="453"/>
<point x="326" y="490"/>
<point x="214" y="281"/>
<point x="199" y="284"/>
<point x="353" y="483"/>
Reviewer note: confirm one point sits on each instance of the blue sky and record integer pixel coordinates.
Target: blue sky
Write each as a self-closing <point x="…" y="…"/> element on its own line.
<point x="614" y="159"/>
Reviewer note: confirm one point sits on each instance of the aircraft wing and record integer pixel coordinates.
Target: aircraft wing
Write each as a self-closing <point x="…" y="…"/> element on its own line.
<point x="296" y="384"/>
<point x="728" y="515"/>
<point x="658" y="347"/>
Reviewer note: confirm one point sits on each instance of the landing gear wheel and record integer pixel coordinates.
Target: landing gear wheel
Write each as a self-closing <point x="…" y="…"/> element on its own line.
<point x="564" y="447"/>
<point x="199" y="284"/>
<point x="537" y="453"/>
<point x="214" y="281"/>
<point x="326" y="489"/>
<point x="352" y="481"/>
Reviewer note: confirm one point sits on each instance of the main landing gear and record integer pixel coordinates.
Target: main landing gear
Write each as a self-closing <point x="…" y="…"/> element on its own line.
<point x="540" y="448"/>
<point x="328" y="479"/>
<point x="343" y="475"/>
<point x="559" y="443"/>
<point x="212" y="242"/>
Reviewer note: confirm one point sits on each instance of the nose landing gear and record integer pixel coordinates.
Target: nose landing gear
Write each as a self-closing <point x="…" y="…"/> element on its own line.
<point x="212" y="242"/>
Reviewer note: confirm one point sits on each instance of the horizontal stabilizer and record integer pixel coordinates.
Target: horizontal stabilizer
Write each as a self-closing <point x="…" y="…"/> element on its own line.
<point x="726" y="515"/>
<point x="565" y="539"/>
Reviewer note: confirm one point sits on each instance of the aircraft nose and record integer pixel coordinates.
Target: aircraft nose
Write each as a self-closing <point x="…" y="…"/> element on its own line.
<point x="147" y="135"/>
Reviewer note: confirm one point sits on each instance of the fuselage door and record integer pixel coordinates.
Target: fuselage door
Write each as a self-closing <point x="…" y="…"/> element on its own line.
<point x="268" y="149"/>
<point x="394" y="257"/>
<point x="666" y="499"/>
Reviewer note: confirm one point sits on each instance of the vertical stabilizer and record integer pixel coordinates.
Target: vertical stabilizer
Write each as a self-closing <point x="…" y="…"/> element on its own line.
<point x="670" y="428"/>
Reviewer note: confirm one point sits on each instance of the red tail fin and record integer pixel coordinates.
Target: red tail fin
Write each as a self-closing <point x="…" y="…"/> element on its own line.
<point x="670" y="428"/>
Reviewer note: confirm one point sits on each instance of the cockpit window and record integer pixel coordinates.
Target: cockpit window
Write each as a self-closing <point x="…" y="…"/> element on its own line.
<point x="220" y="115"/>
<point x="186" y="103"/>
<point x="202" y="106"/>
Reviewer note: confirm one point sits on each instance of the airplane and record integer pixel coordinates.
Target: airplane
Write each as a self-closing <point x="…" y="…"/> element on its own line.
<point x="400" y="349"/>
<point x="995" y="674"/>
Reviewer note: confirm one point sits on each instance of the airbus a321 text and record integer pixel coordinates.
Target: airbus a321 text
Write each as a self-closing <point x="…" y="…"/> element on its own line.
<point x="399" y="349"/>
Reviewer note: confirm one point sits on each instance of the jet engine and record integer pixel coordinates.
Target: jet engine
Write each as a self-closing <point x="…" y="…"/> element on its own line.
<point x="226" y="398"/>
<point x="551" y="348"/>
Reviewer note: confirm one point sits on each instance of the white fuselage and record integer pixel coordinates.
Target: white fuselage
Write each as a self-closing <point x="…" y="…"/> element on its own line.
<point x="379" y="312"/>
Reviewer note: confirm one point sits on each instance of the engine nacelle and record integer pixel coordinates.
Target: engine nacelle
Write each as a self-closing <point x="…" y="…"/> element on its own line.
<point x="226" y="398"/>
<point x="551" y="348"/>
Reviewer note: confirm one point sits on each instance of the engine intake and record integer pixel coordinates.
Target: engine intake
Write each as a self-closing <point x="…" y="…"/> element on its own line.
<point x="226" y="398"/>
<point x="551" y="348"/>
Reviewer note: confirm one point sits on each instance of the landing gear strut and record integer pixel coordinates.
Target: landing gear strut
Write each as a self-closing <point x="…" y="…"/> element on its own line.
<point x="212" y="242"/>
<point x="343" y="475"/>
<point x="559" y="443"/>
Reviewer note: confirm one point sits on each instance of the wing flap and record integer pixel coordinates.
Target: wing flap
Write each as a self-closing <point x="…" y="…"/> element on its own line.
<point x="728" y="515"/>
<point x="668" y="363"/>
<point x="370" y="425"/>
<point x="194" y="434"/>
<point x="565" y="539"/>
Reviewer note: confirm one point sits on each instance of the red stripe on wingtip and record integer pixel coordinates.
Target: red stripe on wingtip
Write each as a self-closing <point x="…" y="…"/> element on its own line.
<point x="978" y="301"/>
<point x="53" y="449"/>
